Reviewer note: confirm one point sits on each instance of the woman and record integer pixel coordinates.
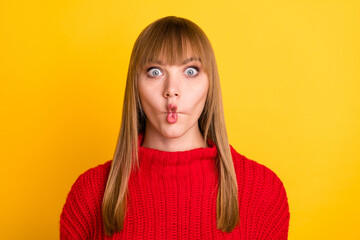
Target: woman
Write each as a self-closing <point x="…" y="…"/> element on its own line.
<point x="174" y="174"/>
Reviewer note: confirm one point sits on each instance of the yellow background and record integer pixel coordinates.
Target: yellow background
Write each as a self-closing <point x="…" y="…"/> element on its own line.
<point x="290" y="80"/>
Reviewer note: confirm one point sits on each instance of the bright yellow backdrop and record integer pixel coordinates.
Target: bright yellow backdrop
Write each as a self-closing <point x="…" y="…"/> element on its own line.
<point x="290" y="80"/>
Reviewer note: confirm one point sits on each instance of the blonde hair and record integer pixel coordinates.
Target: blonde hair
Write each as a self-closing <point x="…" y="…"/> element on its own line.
<point x="168" y="38"/>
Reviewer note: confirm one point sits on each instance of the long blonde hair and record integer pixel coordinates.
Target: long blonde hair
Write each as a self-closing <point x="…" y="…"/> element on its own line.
<point x="168" y="38"/>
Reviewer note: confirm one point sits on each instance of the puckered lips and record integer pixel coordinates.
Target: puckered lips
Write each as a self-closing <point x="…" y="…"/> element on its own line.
<point x="171" y="113"/>
<point x="171" y="107"/>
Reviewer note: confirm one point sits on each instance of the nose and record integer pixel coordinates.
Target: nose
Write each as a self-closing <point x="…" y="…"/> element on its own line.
<point x="171" y="93"/>
<point x="172" y="87"/>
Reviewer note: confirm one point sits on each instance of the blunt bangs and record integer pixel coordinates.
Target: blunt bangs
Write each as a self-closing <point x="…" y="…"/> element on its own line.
<point x="171" y="42"/>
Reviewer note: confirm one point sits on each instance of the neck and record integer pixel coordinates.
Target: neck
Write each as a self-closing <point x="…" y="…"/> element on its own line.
<point x="190" y="140"/>
<point x="149" y="157"/>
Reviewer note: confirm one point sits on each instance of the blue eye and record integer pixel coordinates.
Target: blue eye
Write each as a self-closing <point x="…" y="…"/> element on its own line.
<point x="154" y="72"/>
<point x="192" y="71"/>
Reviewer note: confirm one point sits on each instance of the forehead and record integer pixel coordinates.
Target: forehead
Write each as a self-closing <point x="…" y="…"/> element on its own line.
<point x="162" y="61"/>
<point x="172" y="51"/>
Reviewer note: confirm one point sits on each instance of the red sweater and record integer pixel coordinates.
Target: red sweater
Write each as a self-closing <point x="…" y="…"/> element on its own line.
<point x="174" y="197"/>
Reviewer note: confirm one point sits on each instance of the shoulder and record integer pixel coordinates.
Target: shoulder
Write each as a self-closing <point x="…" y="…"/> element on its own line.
<point x="262" y="195"/>
<point x="98" y="174"/>
<point x="251" y="170"/>
<point x="83" y="202"/>
<point x="91" y="179"/>
<point x="259" y="183"/>
<point x="91" y="182"/>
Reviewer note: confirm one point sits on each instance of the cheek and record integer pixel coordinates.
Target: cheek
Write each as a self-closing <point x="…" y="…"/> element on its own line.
<point x="196" y="99"/>
<point x="148" y="99"/>
<point x="203" y="90"/>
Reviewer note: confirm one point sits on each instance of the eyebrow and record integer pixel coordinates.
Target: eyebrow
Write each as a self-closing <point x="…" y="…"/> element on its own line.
<point x="182" y="63"/>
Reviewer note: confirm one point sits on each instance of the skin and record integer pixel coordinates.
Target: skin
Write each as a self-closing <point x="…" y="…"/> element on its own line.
<point x="180" y="84"/>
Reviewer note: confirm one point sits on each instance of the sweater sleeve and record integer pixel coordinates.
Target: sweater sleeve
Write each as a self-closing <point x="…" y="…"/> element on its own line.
<point x="75" y="219"/>
<point x="275" y="209"/>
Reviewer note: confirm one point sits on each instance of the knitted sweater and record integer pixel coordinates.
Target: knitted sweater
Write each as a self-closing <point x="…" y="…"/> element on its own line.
<point x="173" y="196"/>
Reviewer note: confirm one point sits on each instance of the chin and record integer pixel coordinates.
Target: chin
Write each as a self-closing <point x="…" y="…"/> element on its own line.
<point x="173" y="132"/>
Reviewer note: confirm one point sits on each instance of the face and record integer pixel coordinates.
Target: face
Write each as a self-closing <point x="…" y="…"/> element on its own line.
<point x="173" y="96"/>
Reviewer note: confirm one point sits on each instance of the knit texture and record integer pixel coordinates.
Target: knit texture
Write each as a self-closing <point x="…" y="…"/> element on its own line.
<point x="173" y="196"/>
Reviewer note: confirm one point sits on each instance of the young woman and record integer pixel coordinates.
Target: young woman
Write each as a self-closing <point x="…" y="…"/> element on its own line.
<point x="174" y="174"/>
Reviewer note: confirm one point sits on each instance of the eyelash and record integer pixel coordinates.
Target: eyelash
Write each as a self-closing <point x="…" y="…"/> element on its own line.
<point x="196" y="68"/>
<point x="193" y="66"/>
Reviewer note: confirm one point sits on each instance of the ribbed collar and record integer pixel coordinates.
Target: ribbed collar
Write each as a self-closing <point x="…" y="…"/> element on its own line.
<point x="155" y="156"/>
